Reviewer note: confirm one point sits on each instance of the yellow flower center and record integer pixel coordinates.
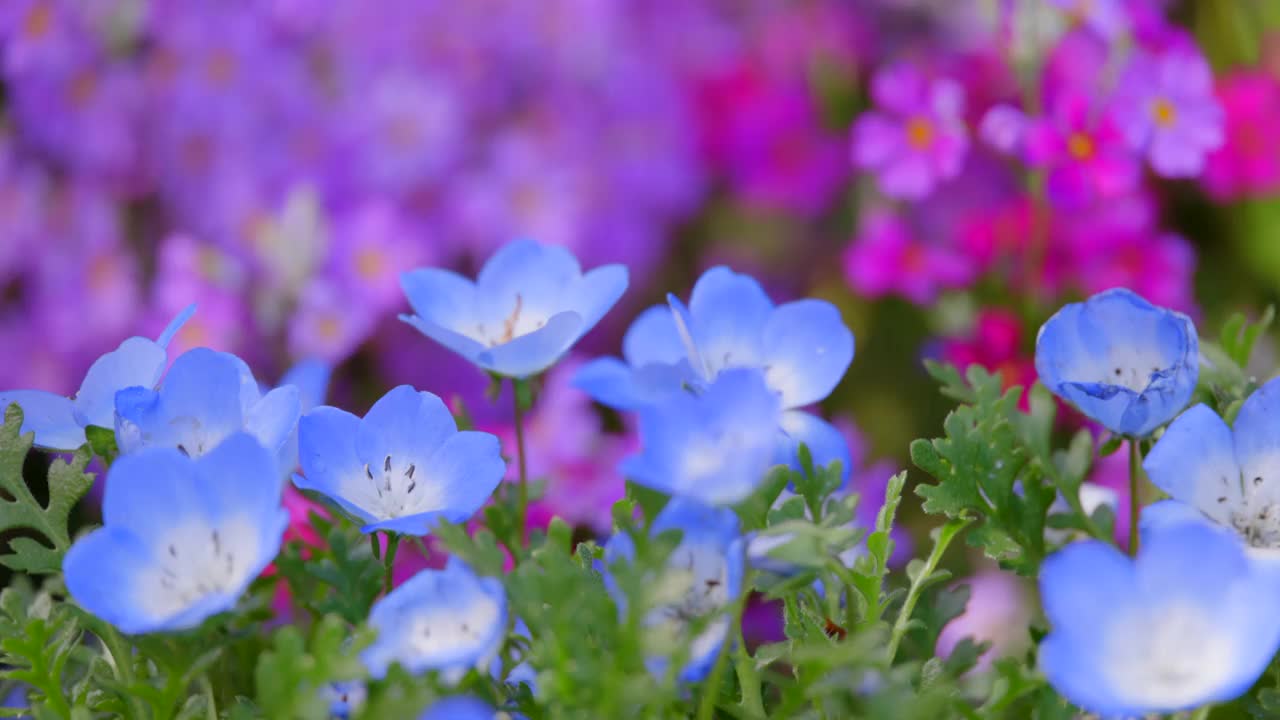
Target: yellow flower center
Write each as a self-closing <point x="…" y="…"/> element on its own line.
<point x="38" y="21"/>
<point x="920" y="133"/>
<point x="329" y="328"/>
<point x="1080" y="146"/>
<point x="1164" y="112"/>
<point x="370" y="264"/>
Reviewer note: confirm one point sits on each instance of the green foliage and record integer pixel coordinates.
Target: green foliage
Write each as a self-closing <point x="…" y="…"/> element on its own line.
<point x="340" y="577"/>
<point x="997" y="465"/>
<point x="293" y="677"/>
<point x="20" y="511"/>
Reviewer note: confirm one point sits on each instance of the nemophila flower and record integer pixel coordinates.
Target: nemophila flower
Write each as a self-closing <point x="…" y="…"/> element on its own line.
<point x="888" y="258"/>
<point x="1222" y="476"/>
<point x="703" y="576"/>
<point x="59" y="422"/>
<point x="1122" y="361"/>
<point x="528" y="306"/>
<point x="206" y="397"/>
<point x="460" y="708"/>
<point x="802" y="348"/>
<point x="916" y="138"/>
<point x="182" y="537"/>
<point x="715" y="446"/>
<point x="1248" y="163"/>
<point x="446" y="620"/>
<point x="403" y="466"/>
<point x="1187" y="623"/>
<point x="346" y="698"/>
<point x="1083" y="150"/>
<point x="1168" y="111"/>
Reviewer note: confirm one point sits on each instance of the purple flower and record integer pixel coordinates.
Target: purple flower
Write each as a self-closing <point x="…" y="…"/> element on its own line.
<point x="1084" y="152"/>
<point x="1105" y="17"/>
<point x="1169" y="112"/>
<point x="917" y="138"/>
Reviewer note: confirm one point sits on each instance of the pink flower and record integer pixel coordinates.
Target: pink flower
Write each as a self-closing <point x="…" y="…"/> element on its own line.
<point x="917" y="138"/>
<point x="1249" y="163"/>
<point x="1084" y="152"/>
<point x="998" y="612"/>
<point x="887" y="259"/>
<point x="1166" y="106"/>
<point x="996" y="343"/>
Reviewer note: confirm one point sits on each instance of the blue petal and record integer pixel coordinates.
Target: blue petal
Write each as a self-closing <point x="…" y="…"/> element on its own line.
<point x="825" y="442"/>
<point x="459" y="708"/>
<point x="273" y="418"/>
<point x="311" y="377"/>
<point x="461" y="344"/>
<point x="151" y="491"/>
<point x="1192" y="561"/>
<point x="405" y="425"/>
<point x="1257" y="439"/>
<point x="49" y="415"/>
<point x="527" y="274"/>
<point x="138" y="362"/>
<point x="419" y="524"/>
<point x="653" y="338"/>
<point x="1165" y="514"/>
<point x="592" y="295"/>
<point x="440" y="297"/>
<point x="808" y="348"/>
<point x="683" y="321"/>
<point x="170" y="330"/>
<point x="239" y="478"/>
<point x="330" y="464"/>
<point x="610" y="382"/>
<point x="468" y="466"/>
<point x="697" y="520"/>
<point x="200" y="401"/>
<point x="531" y="353"/>
<point x="102" y="574"/>
<point x="1194" y="461"/>
<point x="729" y="312"/>
<point x="1083" y="585"/>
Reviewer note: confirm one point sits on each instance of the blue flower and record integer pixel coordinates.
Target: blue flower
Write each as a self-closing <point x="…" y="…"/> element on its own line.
<point x="1224" y="476"/>
<point x="802" y="347"/>
<point x="311" y="378"/>
<point x="59" y="422"/>
<point x="448" y="620"/>
<point x="703" y="576"/>
<point x="403" y="466"/>
<point x="1124" y="362"/>
<point x="1189" y="622"/>
<point x="715" y="447"/>
<point x="206" y="397"/>
<point x="346" y="698"/>
<point x="459" y="708"/>
<point x="528" y="306"/>
<point x="182" y="537"/>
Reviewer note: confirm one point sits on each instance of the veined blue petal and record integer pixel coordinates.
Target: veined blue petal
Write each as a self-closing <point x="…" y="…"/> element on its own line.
<point x="138" y="362"/>
<point x="807" y="349"/>
<point x="49" y="415"/>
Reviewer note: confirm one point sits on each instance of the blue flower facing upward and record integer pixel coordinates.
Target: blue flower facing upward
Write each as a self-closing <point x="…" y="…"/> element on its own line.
<point x="715" y="446"/>
<point x="401" y="467"/>
<point x="59" y="422"/>
<point x="182" y="537"/>
<point x="1189" y="622"/>
<point x="459" y="708"/>
<point x="1124" y="362"/>
<point x="528" y="306"/>
<point x="803" y="349"/>
<point x="449" y="620"/>
<point x="206" y="397"/>
<point x="1227" y="477"/>
<point x="703" y="576"/>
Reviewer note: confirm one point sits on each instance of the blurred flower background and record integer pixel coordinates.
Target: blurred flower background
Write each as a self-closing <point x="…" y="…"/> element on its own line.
<point x="948" y="172"/>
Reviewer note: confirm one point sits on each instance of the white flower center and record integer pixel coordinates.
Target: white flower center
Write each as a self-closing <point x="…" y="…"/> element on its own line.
<point x="392" y="490"/>
<point x="695" y="585"/>
<point x="195" y="561"/>
<point x="519" y="321"/>
<point x="1169" y="656"/>
<point x="443" y="632"/>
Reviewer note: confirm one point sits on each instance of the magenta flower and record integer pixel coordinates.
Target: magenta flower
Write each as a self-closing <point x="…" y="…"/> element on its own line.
<point x="887" y="259"/>
<point x="1248" y="164"/>
<point x="917" y="138"/>
<point x="1168" y="111"/>
<point x="1083" y="151"/>
<point x="1105" y="17"/>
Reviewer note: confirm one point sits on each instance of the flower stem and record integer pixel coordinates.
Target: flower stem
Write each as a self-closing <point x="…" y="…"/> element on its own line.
<point x="389" y="560"/>
<point x="711" y="690"/>
<point x="519" y="389"/>
<point x="942" y="538"/>
<point x="211" y="705"/>
<point x="1135" y="501"/>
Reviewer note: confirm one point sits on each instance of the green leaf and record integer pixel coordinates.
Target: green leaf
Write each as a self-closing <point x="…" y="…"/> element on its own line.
<point x="292" y="677"/>
<point x="103" y="443"/>
<point x="67" y="484"/>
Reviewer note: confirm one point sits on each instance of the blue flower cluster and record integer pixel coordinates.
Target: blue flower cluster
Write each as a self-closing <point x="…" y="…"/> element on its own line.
<point x="1186" y="622"/>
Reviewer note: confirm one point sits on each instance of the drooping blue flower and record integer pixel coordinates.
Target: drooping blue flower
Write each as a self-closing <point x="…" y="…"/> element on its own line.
<point x="1124" y="362"/>
<point x="528" y="306"/>
<point x="459" y="708"/>
<point x="715" y="447"/>
<point x="206" y="397"/>
<point x="59" y="422"/>
<point x="703" y="576"/>
<point x="1228" y="477"/>
<point x="182" y="537"/>
<point x="802" y="347"/>
<point x="449" y="620"/>
<point x="403" y="466"/>
<point x="1189" y="622"/>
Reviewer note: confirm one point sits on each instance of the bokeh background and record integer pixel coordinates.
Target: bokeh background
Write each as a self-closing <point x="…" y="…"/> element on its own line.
<point x="280" y="162"/>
